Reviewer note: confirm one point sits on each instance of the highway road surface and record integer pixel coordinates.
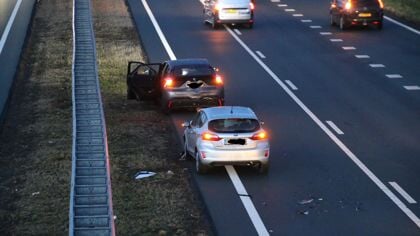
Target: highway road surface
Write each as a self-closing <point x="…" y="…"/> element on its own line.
<point x="342" y="109"/>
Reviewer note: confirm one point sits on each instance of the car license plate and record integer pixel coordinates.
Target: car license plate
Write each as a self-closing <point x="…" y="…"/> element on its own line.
<point x="232" y="11"/>
<point x="238" y="141"/>
<point x="365" y="14"/>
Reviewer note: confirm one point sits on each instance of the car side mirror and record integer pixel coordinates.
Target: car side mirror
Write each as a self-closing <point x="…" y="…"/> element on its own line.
<point x="186" y="124"/>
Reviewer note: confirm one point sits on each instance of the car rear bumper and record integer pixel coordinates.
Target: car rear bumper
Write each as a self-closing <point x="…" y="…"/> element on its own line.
<point x="234" y="157"/>
<point x="355" y="19"/>
<point x="200" y="97"/>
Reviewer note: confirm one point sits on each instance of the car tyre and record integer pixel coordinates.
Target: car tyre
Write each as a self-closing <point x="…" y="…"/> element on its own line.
<point x="199" y="167"/>
<point x="332" y="22"/>
<point x="164" y="106"/>
<point x="263" y="168"/>
<point x="214" y="24"/>
<point x="130" y="94"/>
<point x="187" y="154"/>
<point x="342" y="23"/>
<point x="380" y="25"/>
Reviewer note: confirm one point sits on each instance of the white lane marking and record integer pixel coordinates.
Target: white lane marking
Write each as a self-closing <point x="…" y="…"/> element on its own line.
<point x="250" y="208"/>
<point x="260" y="54"/>
<point x="334" y="127"/>
<point x="315" y="27"/>
<point x="377" y="65"/>
<point x="394" y="76"/>
<point x="336" y="40"/>
<point x="246" y="201"/>
<point x="275" y="0"/>
<point x="9" y="25"/>
<point x="289" y="10"/>
<point x="412" y="87"/>
<point x="403" y="193"/>
<point x="282" y="5"/>
<point x="362" y="56"/>
<point x="325" y="33"/>
<point x="402" y="25"/>
<point x="291" y="84"/>
<point x="306" y="21"/>
<point x="349" y="48"/>
<point x="297" y="15"/>
<point x="331" y="135"/>
<point x="159" y="31"/>
<point x="237" y="32"/>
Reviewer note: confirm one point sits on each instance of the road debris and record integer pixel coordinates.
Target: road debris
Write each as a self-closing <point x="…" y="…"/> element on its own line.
<point x="35" y="193"/>
<point x="144" y="174"/>
<point x="306" y="201"/>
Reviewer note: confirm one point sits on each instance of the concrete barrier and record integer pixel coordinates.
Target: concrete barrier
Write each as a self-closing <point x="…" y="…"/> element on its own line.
<point x="10" y="55"/>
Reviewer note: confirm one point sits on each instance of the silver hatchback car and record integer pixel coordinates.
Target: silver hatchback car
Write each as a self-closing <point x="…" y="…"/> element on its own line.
<point x="218" y="12"/>
<point x="226" y="135"/>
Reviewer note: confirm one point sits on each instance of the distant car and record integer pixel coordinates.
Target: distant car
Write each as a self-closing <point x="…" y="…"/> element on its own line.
<point x="347" y="13"/>
<point x="179" y="83"/>
<point x="227" y="135"/>
<point x="218" y="12"/>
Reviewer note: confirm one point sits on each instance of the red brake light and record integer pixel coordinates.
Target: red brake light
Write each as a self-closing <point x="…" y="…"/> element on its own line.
<point x="210" y="137"/>
<point x="218" y="79"/>
<point x="168" y="82"/>
<point x="252" y="6"/>
<point x="259" y="136"/>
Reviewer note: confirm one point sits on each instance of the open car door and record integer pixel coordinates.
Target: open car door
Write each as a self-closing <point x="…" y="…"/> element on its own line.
<point x="142" y="80"/>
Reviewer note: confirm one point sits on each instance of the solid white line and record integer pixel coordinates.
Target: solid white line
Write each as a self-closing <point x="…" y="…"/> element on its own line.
<point x="412" y="87"/>
<point x="349" y="48"/>
<point x="260" y="54"/>
<point x="362" y="56"/>
<point x="331" y="135"/>
<point x="402" y="25"/>
<point x="403" y="193"/>
<point x="297" y="15"/>
<point x="275" y="0"/>
<point x="291" y="84"/>
<point x="325" y="33"/>
<point x="159" y="31"/>
<point x="289" y="10"/>
<point x="306" y="21"/>
<point x="246" y="201"/>
<point x="334" y="127"/>
<point x="237" y="32"/>
<point x="315" y="27"/>
<point x="336" y="40"/>
<point x="394" y="76"/>
<point x="9" y="25"/>
<point x="377" y="65"/>
<point x="282" y="5"/>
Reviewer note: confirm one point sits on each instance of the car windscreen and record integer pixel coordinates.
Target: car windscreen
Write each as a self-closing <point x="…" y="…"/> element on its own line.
<point x="189" y="71"/>
<point x="234" y="125"/>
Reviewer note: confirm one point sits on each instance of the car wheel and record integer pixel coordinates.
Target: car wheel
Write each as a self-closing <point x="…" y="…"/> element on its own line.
<point x="164" y="106"/>
<point x="130" y="94"/>
<point x="380" y="25"/>
<point x="186" y="153"/>
<point x="263" y="168"/>
<point x="214" y="24"/>
<point x="199" y="167"/>
<point x="332" y="22"/>
<point x="342" y="23"/>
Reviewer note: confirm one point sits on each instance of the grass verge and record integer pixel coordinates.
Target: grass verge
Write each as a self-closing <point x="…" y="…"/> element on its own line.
<point x="406" y="9"/>
<point x="35" y="150"/>
<point x="140" y="138"/>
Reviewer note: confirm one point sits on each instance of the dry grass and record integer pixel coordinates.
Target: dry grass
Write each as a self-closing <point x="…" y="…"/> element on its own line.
<point x="407" y="9"/>
<point x="140" y="138"/>
<point x="35" y="152"/>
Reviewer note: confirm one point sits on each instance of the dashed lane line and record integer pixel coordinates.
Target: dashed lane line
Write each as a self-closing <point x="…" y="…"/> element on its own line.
<point x="348" y="48"/>
<point x="334" y="127"/>
<point x="306" y="21"/>
<point x="315" y="27"/>
<point x="336" y="40"/>
<point x="291" y="85"/>
<point x="362" y="56"/>
<point x="377" y="65"/>
<point x="282" y="5"/>
<point x="298" y="15"/>
<point x="260" y="54"/>
<point x="237" y="32"/>
<point x="394" y="76"/>
<point x="289" y="10"/>
<point x="412" y="87"/>
<point x="402" y="192"/>
<point x="325" y="33"/>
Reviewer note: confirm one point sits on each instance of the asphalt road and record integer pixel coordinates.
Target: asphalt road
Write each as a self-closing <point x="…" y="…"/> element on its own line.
<point x="324" y="180"/>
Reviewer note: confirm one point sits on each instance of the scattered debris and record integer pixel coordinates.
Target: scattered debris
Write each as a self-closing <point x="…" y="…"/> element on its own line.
<point x="115" y="217"/>
<point x="320" y="199"/>
<point x="35" y="193"/>
<point x="304" y="212"/>
<point x="306" y="201"/>
<point x="182" y="156"/>
<point x="271" y="231"/>
<point x="170" y="172"/>
<point x="264" y="204"/>
<point x="144" y="174"/>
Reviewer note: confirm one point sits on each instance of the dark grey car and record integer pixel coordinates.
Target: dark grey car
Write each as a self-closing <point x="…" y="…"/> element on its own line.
<point x="176" y="83"/>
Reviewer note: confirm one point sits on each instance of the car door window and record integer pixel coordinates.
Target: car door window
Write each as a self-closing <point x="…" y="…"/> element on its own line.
<point x="195" y="120"/>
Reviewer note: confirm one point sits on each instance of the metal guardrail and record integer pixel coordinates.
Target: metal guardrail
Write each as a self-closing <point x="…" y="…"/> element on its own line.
<point x="91" y="196"/>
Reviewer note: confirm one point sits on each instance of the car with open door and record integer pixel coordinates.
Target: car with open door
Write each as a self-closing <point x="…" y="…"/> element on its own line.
<point x="226" y="135"/>
<point x="181" y="83"/>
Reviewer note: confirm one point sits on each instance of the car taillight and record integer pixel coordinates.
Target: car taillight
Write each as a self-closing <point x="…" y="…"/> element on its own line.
<point x="348" y="5"/>
<point x="168" y="82"/>
<point x="259" y="136"/>
<point x="218" y="80"/>
<point x="381" y="4"/>
<point x="210" y="137"/>
<point x="252" y="6"/>
<point x="217" y="7"/>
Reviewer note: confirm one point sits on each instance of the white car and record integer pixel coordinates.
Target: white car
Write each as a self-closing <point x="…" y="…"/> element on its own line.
<point x="218" y="12"/>
<point x="226" y="135"/>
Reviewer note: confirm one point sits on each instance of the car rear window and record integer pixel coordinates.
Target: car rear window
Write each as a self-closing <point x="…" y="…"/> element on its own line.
<point x="192" y="71"/>
<point x="234" y="125"/>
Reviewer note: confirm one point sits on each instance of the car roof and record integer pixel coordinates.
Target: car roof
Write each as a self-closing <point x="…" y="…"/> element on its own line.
<point x="224" y="112"/>
<point x="188" y="61"/>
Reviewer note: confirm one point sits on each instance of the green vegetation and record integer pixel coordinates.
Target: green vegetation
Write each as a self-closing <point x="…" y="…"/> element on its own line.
<point x="407" y="9"/>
